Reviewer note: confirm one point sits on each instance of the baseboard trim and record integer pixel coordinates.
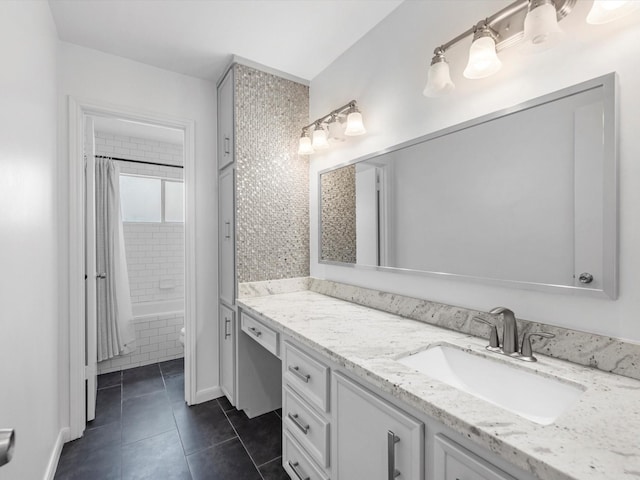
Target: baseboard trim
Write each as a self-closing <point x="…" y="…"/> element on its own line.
<point x="207" y="394"/>
<point x="63" y="435"/>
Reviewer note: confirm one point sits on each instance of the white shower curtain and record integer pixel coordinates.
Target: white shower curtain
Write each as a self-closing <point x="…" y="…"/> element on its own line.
<point x="116" y="333"/>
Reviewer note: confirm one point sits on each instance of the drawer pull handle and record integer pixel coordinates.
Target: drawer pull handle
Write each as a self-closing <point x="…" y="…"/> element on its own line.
<point x="299" y="473"/>
<point x="226" y="332"/>
<point x="294" y="418"/>
<point x="391" y="454"/>
<point x="255" y="331"/>
<point x="302" y="376"/>
<point x="227" y="230"/>
<point x="227" y="150"/>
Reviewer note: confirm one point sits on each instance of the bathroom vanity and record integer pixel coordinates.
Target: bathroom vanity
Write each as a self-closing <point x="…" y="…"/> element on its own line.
<point x="350" y="409"/>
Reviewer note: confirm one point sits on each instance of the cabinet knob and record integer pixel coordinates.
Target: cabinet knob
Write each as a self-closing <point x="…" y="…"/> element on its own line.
<point x="585" y="277"/>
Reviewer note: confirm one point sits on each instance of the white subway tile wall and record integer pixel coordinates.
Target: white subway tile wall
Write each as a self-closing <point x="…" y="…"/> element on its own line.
<point x="156" y="341"/>
<point x="155" y="254"/>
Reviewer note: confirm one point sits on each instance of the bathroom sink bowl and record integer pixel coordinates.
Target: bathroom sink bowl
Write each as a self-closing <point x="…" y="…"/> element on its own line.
<point x="532" y="396"/>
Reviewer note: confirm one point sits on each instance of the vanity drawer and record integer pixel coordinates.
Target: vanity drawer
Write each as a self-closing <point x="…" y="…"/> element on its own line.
<point x="265" y="336"/>
<point x="306" y="376"/>
<point x="454" y="462"/>
<point x="311" y="430"/>
<point x="296" y="462"/>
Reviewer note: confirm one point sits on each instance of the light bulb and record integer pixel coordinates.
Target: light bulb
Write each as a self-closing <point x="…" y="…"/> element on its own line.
<point x="319" y="139"/>
<point x="304" y="147"/>
<point x="354" y="124"/>
<point x="541" y="28"/>
<point x="438" y="78"/>
<point x="605" y="11"/>
<point x="483" y="59"/>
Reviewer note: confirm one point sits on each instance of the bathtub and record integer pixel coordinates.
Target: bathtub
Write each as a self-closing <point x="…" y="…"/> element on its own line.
<point x="153" y="309"/>
<point x="157" y="326"/>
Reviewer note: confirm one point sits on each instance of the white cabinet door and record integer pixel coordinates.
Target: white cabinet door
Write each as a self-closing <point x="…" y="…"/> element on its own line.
<point x="225" y="121"/>
<point x="226" y="237"/>
<point x="454" y="462"/>
<point x="371" y="438"/>
<point x="227" y="353"/>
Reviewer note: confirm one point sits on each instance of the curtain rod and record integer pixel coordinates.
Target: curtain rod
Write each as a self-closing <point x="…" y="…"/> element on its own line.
<point x="139" y="161"/>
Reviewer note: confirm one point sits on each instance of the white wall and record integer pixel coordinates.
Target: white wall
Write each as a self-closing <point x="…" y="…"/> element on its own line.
<point x="386" y="72"/>
<point x="89" y="74"/>
<point x="28" y="247"/>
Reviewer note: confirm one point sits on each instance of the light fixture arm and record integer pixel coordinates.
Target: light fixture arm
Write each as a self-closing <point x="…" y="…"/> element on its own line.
<point x="507" y="24"/>
<point x="351" y="106"/>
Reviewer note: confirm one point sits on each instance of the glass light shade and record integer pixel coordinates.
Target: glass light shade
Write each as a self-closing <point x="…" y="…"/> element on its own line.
<point x="541" y="26"/>
<point x="336" y="132"/>
<point x="438" y="80"/>
<point x="355" y="125"/>
<point x="605" y="11"/>
<point x="304" y="147"/>
<point x="483" y="59"/>
<point x="319" y="139"/>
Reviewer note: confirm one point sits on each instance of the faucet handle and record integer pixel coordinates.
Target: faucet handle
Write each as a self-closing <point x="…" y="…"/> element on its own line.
<point x="527" y="353"/>
<point x="494" y="343"/>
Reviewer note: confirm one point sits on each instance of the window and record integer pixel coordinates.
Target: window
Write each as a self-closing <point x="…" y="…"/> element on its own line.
<point x="173" y="201"/>
<point x="151" y="200"/>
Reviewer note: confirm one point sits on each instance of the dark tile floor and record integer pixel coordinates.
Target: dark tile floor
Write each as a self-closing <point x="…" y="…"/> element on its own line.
<point x="144" y="430"/>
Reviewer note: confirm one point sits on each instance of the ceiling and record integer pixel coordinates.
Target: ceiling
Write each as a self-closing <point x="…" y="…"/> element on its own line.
<point x="198" y="37"/>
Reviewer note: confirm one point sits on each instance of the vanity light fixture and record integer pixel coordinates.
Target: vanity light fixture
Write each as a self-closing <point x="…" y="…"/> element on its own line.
<point x="605" y="11"/>
<point x="304" y="147"/>
<point x="534" y="21"/>
<point x="483" y="58"/>
<point x="438" y="77"/>
<point x="541" y="24"/>
<point x="334" y="123"/>
<point x="319" y="138"/>
<point x="355" y="126"/>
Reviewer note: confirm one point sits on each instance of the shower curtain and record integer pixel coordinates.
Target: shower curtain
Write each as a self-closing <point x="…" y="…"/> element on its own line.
<point x="116" y="333"/>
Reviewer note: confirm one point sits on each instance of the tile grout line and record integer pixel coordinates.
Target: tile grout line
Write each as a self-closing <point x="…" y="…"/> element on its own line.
<point x="241" y="442"/>
<point x="270" y="461"/>
<point x="175" y="421"/>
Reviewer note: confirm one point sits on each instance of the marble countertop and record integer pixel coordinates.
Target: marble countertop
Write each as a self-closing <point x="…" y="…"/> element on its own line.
<point x="599" y="438"/>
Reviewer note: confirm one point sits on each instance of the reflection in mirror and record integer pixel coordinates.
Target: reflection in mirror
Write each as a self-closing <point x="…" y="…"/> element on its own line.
<point x="524" y="196"/>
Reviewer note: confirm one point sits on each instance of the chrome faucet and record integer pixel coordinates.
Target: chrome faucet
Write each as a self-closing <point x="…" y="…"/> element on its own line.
<point x="509" y="330"/>
<point x="510" y="336"/>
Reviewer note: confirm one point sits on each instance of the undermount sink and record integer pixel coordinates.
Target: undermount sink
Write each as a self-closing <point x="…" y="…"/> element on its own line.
<point x="532" y="396"/>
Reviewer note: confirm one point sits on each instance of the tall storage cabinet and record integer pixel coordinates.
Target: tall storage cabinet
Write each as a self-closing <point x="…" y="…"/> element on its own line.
<point x="226" y="237"/>
<point x="263" y="215"/>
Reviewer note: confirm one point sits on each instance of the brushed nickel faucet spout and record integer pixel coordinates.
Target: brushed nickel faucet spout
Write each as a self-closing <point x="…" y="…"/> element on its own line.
<point x="509" y="330"/>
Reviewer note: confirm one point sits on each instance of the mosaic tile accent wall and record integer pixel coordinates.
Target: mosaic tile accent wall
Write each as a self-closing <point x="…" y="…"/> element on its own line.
<point x="272" y="181"/>
<point x="338" y="193"/>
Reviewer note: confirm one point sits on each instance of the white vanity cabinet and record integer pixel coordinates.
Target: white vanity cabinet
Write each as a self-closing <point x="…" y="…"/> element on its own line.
<point x="225" y="120"/>
<point x="226" y="237"/>
<point x="372" y="438"/>
<point x="454" y="462"/>
<point x="306" y="414"/>
<point x="227" y="352"/>
<point x="342" y="428"/>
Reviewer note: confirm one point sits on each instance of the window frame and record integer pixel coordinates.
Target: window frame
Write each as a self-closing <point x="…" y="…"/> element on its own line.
<point x="163" y="181"/>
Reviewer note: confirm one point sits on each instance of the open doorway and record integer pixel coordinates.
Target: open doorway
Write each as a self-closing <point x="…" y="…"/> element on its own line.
<point x="153" y="160"/>
<point x="134" y="214"/>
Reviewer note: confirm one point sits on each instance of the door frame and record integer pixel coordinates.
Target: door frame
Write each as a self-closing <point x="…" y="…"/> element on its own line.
<point x="79" y="108"/>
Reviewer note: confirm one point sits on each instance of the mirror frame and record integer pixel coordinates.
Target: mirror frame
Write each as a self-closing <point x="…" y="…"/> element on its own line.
<point x="609" y="201"/>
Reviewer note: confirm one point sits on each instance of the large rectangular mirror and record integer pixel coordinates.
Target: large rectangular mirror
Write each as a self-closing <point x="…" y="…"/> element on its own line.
<point x="525" y="197"/>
